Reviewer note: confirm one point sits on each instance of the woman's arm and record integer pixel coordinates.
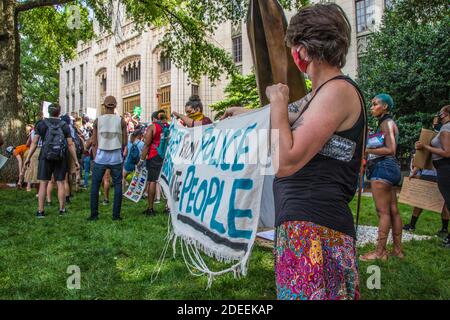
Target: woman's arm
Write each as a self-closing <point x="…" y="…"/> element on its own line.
<point x="390" y="144"/>
<point x="327" y="112"/>
<point x="445" y="143"/>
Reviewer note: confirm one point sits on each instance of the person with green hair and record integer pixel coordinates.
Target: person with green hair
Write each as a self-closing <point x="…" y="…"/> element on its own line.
<point x="383" y="171"/>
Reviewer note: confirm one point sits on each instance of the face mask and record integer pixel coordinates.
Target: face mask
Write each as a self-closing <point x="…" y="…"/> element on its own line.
<point x="301" y="63"/>
<point x="437" y="126"/>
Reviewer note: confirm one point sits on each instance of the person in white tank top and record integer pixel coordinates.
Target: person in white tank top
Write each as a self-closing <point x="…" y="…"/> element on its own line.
<point x="108" y="141"/>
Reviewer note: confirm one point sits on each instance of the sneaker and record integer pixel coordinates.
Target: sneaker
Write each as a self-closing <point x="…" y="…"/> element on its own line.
<point x="68" y="201"/>
<point x="446" y="242"/>
<point x="442" y="233"/>
<point x="62" y="212"/>
<point x="105" y="202"/>
<point x="117" y="218"/>
<point x="157" y="201"/>
<point x="40" y="215"/>
<point x="48" y="204"/>
<point x="149" y="212"/>
<point x="408" y="227"/>
<point x="92" y="218"/>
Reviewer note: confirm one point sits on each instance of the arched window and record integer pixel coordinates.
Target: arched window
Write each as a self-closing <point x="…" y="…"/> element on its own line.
<point x="131" y="72"/>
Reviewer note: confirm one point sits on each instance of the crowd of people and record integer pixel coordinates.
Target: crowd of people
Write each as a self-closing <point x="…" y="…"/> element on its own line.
<point x="68" y="151"/>
<point x="321" y="148"/>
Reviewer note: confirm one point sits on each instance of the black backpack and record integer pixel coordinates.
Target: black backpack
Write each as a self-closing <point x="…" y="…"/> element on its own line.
<point x="79" y="148"/>
<point x="54" y="147"/>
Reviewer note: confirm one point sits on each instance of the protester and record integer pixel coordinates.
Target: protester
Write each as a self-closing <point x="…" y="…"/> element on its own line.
<point x="55" y="135"/>
<point x="440" y="150"/>
<point x="427" y="175"/>
<point x="19" y="153"/>
<point x="156" y="141"/>
<point x="109" y="139"/>
<point x="132" y="154"/>
<point x="32" y="171"/>
<point x="315" y="253"/>
<point x="384" y="175"/>
<point x="129" y="122"/>
<point x="87" y="158"/>
<point x="194" y="113"/>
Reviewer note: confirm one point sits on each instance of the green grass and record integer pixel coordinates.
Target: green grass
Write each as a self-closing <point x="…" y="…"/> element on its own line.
<point x="117" y="259"/>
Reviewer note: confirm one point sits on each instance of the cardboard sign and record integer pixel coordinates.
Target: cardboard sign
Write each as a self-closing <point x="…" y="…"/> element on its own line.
<point x="422" y="159"/>
<point x="421" y="194"/>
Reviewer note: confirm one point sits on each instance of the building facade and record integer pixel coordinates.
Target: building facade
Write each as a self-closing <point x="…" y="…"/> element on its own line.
<point x="130" y="66"/>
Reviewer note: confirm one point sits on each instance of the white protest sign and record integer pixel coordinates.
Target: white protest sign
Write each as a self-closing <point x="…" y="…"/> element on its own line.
<point x="137" y="186"/>
<point x="3" y="160"/>
<point x="45" y="105"/>
<point x="213" y="177"/>
<point x="91" y="113"/>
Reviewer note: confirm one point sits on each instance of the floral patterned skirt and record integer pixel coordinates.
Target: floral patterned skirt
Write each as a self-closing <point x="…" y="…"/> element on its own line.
<point x="315" y="263"/>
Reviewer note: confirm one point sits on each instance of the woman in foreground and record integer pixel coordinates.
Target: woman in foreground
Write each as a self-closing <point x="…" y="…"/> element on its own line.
<point x="318" y="164"/>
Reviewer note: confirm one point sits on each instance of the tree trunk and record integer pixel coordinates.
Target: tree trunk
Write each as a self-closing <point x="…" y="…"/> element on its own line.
<point x="10" y="100"/>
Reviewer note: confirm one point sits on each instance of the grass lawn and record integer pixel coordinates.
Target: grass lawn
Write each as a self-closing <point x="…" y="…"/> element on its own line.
<point x="117" y="259"/>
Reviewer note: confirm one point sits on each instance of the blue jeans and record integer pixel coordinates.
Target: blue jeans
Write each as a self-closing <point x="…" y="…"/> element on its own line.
<point x="386" y="169"/>
<point x="98" y="171"/>
<point x="87" y="169"/>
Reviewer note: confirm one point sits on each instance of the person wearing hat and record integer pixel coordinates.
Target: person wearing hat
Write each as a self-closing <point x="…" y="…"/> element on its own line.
<point x="109" y="139"/>
<point x="53" y="156"/>
<point x="384" y="174"/>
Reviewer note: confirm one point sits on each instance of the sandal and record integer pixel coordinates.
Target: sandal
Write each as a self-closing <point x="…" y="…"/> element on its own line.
<point x="372" y="256"/>
<point x="398" y="254"/>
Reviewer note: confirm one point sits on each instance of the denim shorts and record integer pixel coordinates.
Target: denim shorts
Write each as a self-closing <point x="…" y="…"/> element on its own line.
<point x="387" y="170"/>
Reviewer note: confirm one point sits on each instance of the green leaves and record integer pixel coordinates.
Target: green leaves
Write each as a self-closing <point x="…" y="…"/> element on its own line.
<point x="408" y="58"/>
<point x="241" y="91"/>
<point x="46" y="39"/>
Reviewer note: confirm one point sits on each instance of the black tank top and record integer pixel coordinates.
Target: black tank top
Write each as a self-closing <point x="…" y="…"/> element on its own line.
<point x="321" y="191"/>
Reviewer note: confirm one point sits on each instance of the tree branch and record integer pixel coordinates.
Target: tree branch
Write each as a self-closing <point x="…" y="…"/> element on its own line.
<point x="25" y="6"/>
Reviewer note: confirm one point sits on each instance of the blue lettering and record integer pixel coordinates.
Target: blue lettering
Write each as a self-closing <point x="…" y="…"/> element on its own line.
<point x="191" y="196"/>
<point x="241" y="150"/>
<point x="186" y="186"/>
<point x="201" y="189"/>
<point x="214" y="224"/>
<point x="233" y="213"/>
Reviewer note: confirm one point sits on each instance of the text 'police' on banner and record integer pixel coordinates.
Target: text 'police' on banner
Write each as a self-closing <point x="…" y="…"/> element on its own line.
<point x="214" y="177"/>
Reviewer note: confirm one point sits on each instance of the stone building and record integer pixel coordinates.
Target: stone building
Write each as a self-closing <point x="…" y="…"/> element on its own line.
<point x="130" y="66"/>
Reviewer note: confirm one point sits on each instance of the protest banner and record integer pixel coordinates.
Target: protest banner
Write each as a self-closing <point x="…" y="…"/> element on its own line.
<point x="137" y="185"/>
<point x="421" y="194"/>
<point x="214" y="178"/>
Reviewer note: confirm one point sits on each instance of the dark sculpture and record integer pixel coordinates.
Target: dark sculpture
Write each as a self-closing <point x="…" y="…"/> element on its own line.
<point x="266" y="27"/>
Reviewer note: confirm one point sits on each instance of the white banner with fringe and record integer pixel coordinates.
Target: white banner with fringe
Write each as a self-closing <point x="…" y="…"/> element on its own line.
<point x="214" y="178"/>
